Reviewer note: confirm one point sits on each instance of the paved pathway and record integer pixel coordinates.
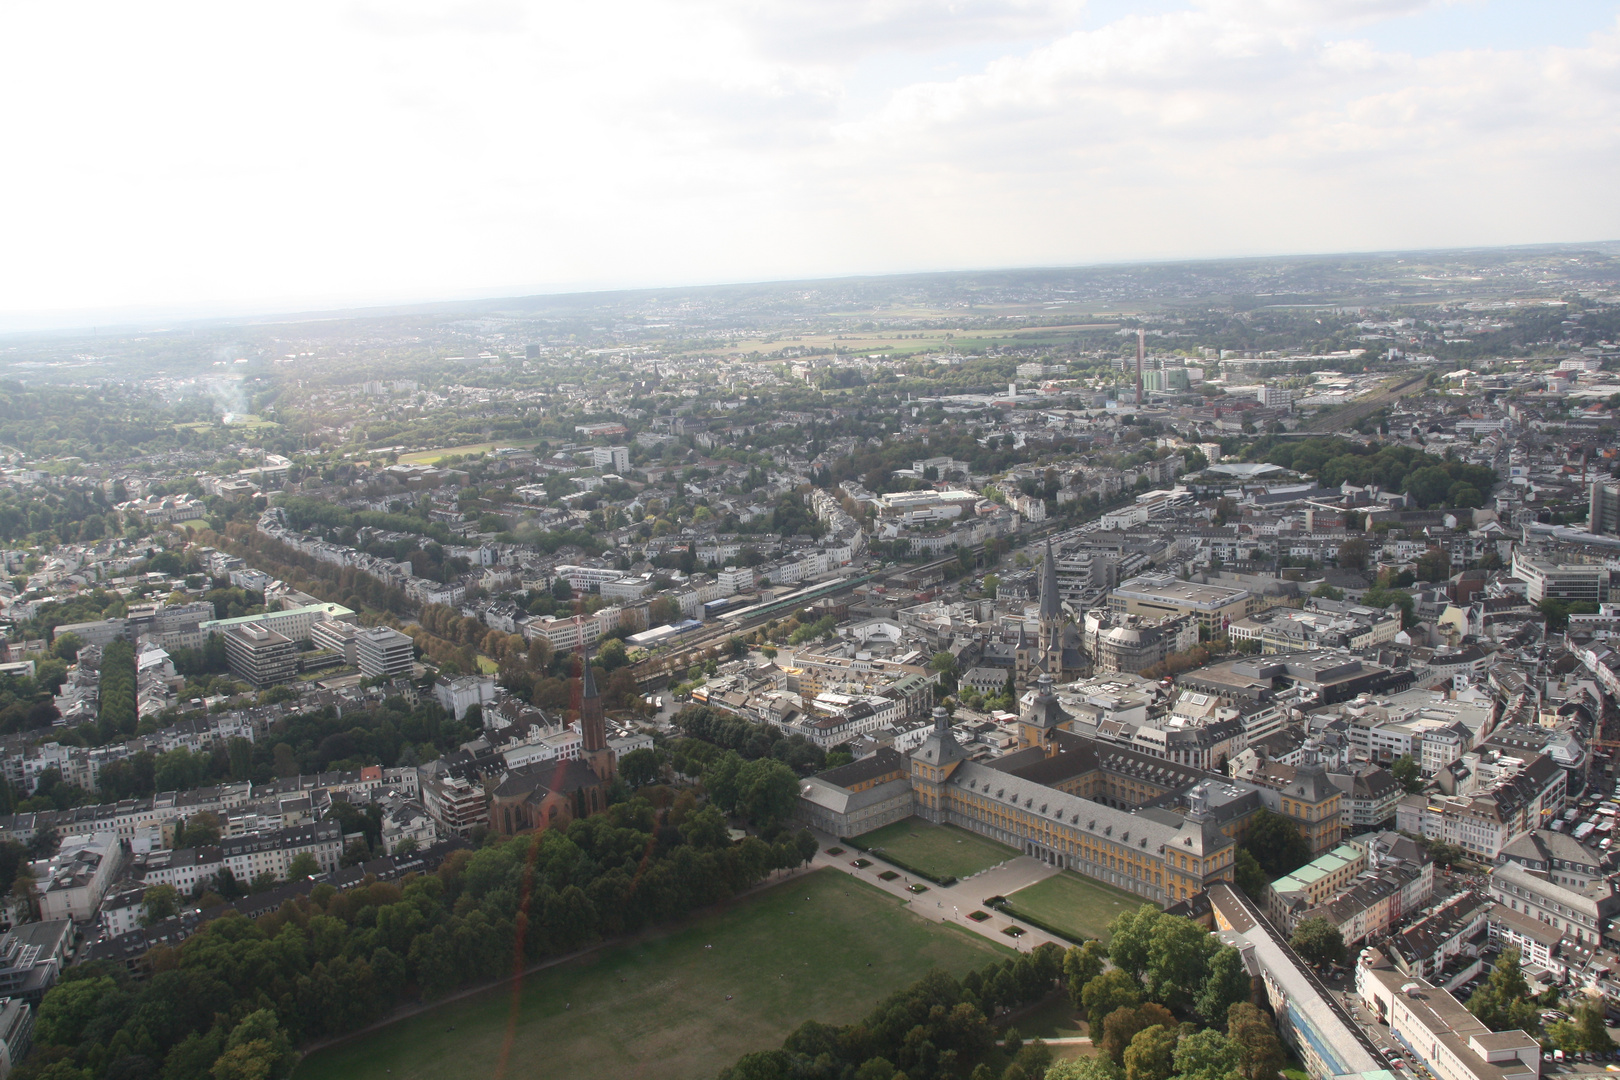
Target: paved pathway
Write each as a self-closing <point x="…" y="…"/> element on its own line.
<point x="953" y="903"/>
<point x="1067" y="1040"/>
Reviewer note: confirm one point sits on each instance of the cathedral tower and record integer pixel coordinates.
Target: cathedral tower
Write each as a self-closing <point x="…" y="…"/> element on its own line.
<point x="592" y="726"/>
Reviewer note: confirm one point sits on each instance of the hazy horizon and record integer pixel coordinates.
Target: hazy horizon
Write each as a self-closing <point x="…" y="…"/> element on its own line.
<point x="208" y="162"/>
<point x="151" y="318"/>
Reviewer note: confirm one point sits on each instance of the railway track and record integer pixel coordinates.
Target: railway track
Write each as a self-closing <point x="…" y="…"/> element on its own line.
<point x="652" y="672"/>
<point x="1356" y="412"/>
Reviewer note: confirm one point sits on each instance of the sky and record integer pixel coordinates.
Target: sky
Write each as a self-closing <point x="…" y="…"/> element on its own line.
<point x="207" y="158"/>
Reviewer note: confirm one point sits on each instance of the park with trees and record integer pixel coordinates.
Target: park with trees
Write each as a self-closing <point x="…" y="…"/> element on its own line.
<point x="1163" y="999"/>
<point x="235" y="1000"/>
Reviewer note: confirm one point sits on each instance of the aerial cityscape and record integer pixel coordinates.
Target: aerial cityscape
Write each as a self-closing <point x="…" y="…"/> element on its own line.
<point x="875" y="540"/>
<point x="1195" y="669"/>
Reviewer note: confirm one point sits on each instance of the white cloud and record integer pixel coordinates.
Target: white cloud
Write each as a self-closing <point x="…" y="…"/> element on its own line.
<point x="216" y="155"/>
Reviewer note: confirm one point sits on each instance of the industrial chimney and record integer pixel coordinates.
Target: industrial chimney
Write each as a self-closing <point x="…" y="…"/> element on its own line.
<point x="1141" y="348"/>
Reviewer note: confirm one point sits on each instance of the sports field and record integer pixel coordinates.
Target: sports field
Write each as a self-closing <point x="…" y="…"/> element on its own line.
<point x="685" y="1005"/>
<point x="1074" y="904"/>
<point x="940" y="850"/>
<point x="428" y="457"/>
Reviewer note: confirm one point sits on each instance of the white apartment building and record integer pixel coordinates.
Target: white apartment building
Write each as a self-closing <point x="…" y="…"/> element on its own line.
<point x="1450" y="1041"/>
<point x="735" y="579"/>
<point x="249" y="856"/>
<point x="125" y="820"/>
<point x="460" y="694"/>
<point x="183" y="868"/>
<point x="561" y="745"/>
<point x="1518" y="800"/>
<point x="795" y="568"/>
<point x="572" y="632"/>
<point x="588" y="578"/>
<point x="72" y="882"/>
<point x="456" y="804"/>
<point x="1582" y="914"/>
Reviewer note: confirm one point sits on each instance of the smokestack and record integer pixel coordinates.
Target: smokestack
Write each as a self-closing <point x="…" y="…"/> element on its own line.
<point x="1141" y="347"/>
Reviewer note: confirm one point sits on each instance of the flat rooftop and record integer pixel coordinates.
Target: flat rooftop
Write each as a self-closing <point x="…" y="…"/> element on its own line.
<point x="1166" y="589"/>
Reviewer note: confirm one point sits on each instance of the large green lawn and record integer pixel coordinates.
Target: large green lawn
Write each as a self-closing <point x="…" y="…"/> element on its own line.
<point x="659" y="1008"/>
<point x="940" y="850"/>
<point x="1073" y="903"/>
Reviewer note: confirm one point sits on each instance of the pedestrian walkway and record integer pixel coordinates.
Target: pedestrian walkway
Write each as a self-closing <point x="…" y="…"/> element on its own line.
<point x="1067" y="1040"/>
<point x="953" y="903"/>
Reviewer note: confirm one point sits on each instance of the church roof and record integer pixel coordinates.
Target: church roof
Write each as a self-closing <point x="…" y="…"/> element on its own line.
<point x="1051" y="602"/>
<point x="534" y="782"/>
<point x="587" y="689"/>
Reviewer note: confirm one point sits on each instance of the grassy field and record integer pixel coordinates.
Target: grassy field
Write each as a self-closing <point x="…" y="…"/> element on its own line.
<point x="428" y="457"/>
<point x="1054" y="1018"/>
<point x="1072" y="903"/>
<point x="659" y="1008"/>
<point x="940" y="850"/>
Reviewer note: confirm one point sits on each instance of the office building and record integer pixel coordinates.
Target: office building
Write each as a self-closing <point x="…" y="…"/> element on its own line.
<point x="258" y="655"/>
<point x="339" y="637"/>
<point x="16" y="1033"/>
<point x="1448" y="1039"/>
<point x="383" y="653"/>
<point x="1603" y="517"/>
<point x="1580" y="912"/>
<point x="1572" y="582"/>
<point x="1275" y="397"/>
<point x="293" y="623"/>
<point x="1164" y="594"/>
<point x="32" y="957"/>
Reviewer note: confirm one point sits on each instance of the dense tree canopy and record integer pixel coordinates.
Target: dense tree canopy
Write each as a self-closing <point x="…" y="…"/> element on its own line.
<point x="241" y="993"/>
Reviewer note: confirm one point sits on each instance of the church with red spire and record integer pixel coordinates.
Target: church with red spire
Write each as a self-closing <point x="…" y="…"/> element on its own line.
<point x="550" y="794"/>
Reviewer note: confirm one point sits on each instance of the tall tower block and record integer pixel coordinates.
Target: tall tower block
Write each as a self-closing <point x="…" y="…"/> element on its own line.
<point x="1141" y="349"/>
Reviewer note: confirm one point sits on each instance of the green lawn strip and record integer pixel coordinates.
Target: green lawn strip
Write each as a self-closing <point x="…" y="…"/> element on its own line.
<point x="1070" y="905"/>
<point x="936" y="852"/>
<point x="429" y="457"/>
<point x="658" y="1006"/>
